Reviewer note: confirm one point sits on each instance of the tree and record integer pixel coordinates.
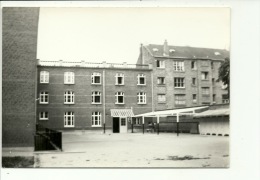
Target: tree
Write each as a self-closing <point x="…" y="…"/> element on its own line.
<point x="224" y="74"/>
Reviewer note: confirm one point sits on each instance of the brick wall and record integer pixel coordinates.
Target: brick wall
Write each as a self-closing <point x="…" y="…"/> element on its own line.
<point x="20" y="26"/>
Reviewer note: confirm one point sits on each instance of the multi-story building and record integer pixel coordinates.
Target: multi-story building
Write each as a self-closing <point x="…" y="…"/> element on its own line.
<point x="93" y="96"/>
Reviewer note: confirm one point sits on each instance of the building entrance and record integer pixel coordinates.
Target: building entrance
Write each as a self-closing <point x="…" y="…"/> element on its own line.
<point x="119" y="125"/>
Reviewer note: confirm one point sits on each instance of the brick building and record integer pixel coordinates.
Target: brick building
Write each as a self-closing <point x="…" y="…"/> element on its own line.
<point x="20" y="27"/>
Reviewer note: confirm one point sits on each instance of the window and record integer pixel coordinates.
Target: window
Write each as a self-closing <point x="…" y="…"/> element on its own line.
<point x="160" y="64"/>
<point x="193" y="65"/>
<point x="161" y="80"/>
<point x="69" y="77"/>
<point x="44" y="116"/>
<point x="214" y="98"/>
<point x="96" y="119"/>
<point x="161" y="98"/>
<point x="205" y="75"/>
<point x="44" y="77"/>
<point x="69" y="119"/>
<point x="69" y="97"/>
<point x="225" y="99"/>
<point x="194" y="81"/>
<point x="180" y="99"/>
<point x="119" y="79"/>
<point x="179" y="82"/>
<point x="178" y="66"/>
<point x="212" y="65"/>
<point x="119" y="98"/>
<point x="123" y="121"/>
<point x="205" y="90"/>
<point x="96" y="97"/>
<point x="44" y="98"/>
<point x="137" y="121"/>
<point x="194" y="98"/>
<point x="141" y="98"/>
<point x="224" y="86"/>
<point x="96" y="78"/>
<point x="141" y="79"/>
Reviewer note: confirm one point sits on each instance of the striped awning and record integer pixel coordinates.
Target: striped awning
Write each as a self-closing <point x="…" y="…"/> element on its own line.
<point x="122" y="113"/>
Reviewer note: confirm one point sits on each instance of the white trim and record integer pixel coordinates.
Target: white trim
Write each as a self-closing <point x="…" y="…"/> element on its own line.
<point x="72" y="120"/>
<point x="93" y="75"/>
<point x="69" y="78"/>
<point x="67" y="95"/>
<point x="98" y="115"/>
<point x="44" y="77"/>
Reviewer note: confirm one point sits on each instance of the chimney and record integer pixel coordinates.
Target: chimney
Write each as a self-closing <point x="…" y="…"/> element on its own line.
<point x="165" y="48"/>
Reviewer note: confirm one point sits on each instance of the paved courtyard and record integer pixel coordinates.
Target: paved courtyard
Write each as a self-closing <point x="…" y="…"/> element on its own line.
<point x="137" y="150"/>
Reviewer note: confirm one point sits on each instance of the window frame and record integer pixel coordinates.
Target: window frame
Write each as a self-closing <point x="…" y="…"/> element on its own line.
<point x="120" y="75"/>
<point x="179" y="83"/>
<point x="70" y="115"/>
<point x="141" y="96"/>
<point x="45" y="116"/>
<point x="195" y="81"/>
<point x="206" y="76"/>
<point x="158" y="97"/>
<point x="93" y="95"/>
<point x="194" y="100"/>
<point x="120" y="93"/>
<point x="194" y="64"/>
<point x="138" y="79"/>
<point x="93" y="75"/>
<point x="160" y="79"/>
<point x="44" y="77"/>
<point x="69" y="95"/>
<point x="43" y="95"/>
<point x="178" y="66"/>
<point x="96" y="114"/>
<point x="160" y="64"/>
<point x="69" y="75"/>
<point x="205" y="89"/>
<point x="180" y="99"/>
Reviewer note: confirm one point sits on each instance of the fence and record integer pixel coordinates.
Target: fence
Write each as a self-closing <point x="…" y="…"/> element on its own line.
<point x="47" y="139"/>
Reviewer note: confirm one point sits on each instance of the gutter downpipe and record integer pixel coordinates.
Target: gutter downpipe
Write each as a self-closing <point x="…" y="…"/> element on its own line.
<point x="104" y="103"/>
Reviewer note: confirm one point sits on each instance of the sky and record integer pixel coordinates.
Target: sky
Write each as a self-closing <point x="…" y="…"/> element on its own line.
<point x="114" y="35"/>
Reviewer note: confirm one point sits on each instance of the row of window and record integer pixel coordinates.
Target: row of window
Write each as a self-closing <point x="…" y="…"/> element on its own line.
<point x="179" y="65"/>
<point x="69" y="78"/>
<point x="95" y="97"/>
<point x="69" y="120"/>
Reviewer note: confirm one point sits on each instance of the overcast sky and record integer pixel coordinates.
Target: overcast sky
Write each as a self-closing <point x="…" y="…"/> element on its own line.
<point x="115" y="34"/>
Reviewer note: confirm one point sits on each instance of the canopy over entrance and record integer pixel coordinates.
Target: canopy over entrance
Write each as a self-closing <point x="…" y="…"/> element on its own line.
<point x="173" y="112"/>
<point x="122" y="113"/>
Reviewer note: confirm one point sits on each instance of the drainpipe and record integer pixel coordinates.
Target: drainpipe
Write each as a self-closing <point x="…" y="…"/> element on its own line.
<point x="104" y="103"/>
<point x="158" y="126"/>
<point x="143" y="123"/>
<point x="177" y="124"/>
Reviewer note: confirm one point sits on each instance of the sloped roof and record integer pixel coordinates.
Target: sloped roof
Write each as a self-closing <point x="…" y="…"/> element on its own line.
<point x="213" y="112"/>
<point x="189" y="52"/>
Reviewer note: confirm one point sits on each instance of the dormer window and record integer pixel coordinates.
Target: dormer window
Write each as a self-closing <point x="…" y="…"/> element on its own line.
<point x="217" y="53"/>
<point x="155" y="50"/>
<point x="172" y="50"/>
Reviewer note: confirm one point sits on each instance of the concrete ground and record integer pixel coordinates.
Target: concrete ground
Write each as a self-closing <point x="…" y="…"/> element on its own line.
<point x="137" y="150"/>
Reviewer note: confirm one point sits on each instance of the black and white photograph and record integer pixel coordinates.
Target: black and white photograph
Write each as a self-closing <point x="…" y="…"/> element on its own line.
<point x="129" y="87"/>
<point x="116" y="87"/>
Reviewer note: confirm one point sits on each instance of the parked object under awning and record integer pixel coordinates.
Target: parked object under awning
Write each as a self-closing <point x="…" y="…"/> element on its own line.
<point x="122" y="113"/>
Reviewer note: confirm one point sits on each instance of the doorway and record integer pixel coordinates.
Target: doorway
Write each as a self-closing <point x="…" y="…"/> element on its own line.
<point x="115" y="124"/>
<point x="119" y="125"/>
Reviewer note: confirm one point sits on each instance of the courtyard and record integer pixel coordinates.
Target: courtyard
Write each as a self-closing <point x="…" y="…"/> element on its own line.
<point x="167" y="150"/>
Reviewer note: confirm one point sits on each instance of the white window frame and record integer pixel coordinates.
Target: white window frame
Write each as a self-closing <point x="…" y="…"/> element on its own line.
<point x="94" y="94"/>
<point x="139" y="76"/>
<point x="43" y="96"/>
<point x="44" y="77"/>
<point x="141" y="98"/>
<point x="69" y="77"/>
<point x="160" y="99"/>
<point x="120" y="94"/>
<point x="160" y="63"/>
<point x="67" y="116"/>
<point x="178" y="66"/>
<point x="205" y="75"/>
<point x="69" y="95"/>
<point x="195" y="65"/>
<point x="179" y="82"/>
<point x="93" y="75"/>
<point x="180" y="99"/>
<point x="120" y="75"/>
<point x="205" y="91"/>
<point x="194" y="100"/>
<point x="96" y="117"/>
<point x="160" y="80"/>
<point x="43" y="116"/>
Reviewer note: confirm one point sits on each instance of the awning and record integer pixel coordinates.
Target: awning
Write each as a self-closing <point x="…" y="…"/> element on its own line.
<point x="183" y="111"/>
<point x="122" y="113"/>
<point x="213" y="112"/>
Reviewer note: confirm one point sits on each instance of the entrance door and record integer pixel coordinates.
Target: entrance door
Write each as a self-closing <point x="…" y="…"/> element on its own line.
<point x="123" y="125"/>
<point x="116" y="125"/>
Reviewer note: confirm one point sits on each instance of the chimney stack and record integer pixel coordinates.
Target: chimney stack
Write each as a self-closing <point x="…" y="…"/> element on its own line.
<point x="165" y="48"/>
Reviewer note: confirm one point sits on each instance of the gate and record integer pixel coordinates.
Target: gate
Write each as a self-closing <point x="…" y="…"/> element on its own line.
<point x="47" y="139"/>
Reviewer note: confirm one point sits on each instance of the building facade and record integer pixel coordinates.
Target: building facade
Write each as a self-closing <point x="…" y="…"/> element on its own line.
<point x="96" y="96"/>
<point x="20" y="27"/>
